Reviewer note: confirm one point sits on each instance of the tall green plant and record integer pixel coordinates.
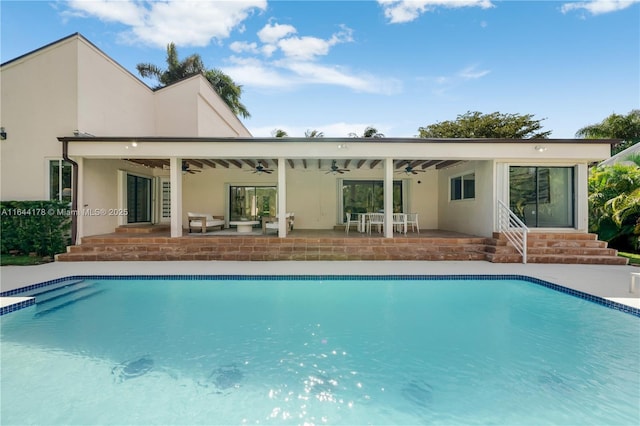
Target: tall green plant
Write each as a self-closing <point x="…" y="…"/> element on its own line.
<point x="40" y="227"/>
<point x="614" y="205"/>
<point x="177" y="69"/>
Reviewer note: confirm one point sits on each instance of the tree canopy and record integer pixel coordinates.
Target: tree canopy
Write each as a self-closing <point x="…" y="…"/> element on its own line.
<point x="176" y="70"/>
<point x="474" y="124"/>
<point x="614" y="205"/>
<point x="279" y="133"/>
<point x="369" y="132"/>
<point x="313" y="134"/>
<point x="615" y="126"/>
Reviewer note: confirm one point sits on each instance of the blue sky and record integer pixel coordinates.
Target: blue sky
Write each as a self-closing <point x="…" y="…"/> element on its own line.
<point x="339" y="66"/>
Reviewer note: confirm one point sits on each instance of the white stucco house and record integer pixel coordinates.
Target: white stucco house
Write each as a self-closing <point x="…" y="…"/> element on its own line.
<point x="81" y="127"/>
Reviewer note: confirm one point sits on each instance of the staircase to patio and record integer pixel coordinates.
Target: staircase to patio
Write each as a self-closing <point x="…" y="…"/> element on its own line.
<point x="299" y="245"/>
<point x="555" y="248"/>
<point x="154" y="244"/>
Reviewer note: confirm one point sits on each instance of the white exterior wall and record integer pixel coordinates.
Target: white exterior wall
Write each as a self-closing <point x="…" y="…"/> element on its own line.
<point x="111" y="101"/>
<point x="312" y="194"/>
<point x="473" y="216"/>
<point x="423" y="198"/>
<point x="38" y="100"/>
<point x="191" y="108"/>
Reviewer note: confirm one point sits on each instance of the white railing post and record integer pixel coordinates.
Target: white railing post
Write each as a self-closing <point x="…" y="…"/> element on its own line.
<point x="514" y="230"/>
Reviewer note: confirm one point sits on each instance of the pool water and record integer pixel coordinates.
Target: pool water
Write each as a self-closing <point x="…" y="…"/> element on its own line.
<point x="406" y="352"/>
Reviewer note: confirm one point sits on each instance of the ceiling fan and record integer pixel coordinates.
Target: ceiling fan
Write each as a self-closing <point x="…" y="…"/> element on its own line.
<point x="410" y="171"/>
<point x="262" y="169"/>
<point x="335" y="169"/>
<point x="186" y="169"/>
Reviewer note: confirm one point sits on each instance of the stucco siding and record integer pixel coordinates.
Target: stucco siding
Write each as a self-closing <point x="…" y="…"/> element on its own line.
<point x="312" y="194"/>
<point x="215" y="118"/>
<point x="39" y="95"/>
<point x="472" y="216"/>
<point x="111" y="101"/>
<point x="176" y="109"/>
<point x="192" y="108"/>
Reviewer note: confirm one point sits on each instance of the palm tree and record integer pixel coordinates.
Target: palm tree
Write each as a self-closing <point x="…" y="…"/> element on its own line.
<point x="313" y="134"/>
<point x="614" y="204"/>
<point x="369" y="132"/>
<point x="615" y="126"/>
<point x="279" y="133"/>
<point x="224" y="86"/>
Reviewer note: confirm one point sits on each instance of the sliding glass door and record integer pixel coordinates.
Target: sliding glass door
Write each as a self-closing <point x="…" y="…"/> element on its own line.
<point x="542" y="197"/>
<point x="252" y="202"/>
<point x="365" y="196"/>
<point x="138" y="199"/>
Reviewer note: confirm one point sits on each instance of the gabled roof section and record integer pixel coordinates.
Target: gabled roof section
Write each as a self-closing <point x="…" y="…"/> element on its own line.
<point x="79" y="36"/>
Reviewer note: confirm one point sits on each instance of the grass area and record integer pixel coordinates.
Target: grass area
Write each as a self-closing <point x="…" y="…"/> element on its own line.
<point x="634" y="258"/>
<point x="21" y="260"/>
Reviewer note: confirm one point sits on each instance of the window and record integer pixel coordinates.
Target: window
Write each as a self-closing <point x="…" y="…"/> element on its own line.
<point x="463" y="187"/>
<point x="543" y="197"/>
<point x="364" y="196"/>
<point x="138" y="199"/>
<point x="252" y="202"/>
<point x="59" y="180"/>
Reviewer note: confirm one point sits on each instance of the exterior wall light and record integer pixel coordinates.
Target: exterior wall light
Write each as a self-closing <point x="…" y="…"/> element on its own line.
<point x="540" y="148"/>
<point x="3" y="134"/>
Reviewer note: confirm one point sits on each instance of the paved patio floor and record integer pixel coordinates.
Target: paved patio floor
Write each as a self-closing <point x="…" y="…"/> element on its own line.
<point x="609" y="282"/>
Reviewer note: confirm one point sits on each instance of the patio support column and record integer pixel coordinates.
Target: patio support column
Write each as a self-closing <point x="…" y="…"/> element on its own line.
<point x="282" y="198"/>
<point x="81" y="206"/>
<point x="388" y="197"/>
<point x="175" y="173"/>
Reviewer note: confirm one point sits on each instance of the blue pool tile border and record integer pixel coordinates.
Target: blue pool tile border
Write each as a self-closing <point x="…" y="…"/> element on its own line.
<point x="225" y="277"/>
<point x="17" y="306"/>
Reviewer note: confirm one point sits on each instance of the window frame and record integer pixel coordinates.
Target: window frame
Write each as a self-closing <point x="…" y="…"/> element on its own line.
<point x="461" y="177"/>
<point x="61" y="166"/>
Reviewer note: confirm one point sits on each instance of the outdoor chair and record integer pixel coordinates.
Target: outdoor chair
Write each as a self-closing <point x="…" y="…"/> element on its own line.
<point x="203" y="221"/>
<point x="349" y="222"/>
<point x="375" y="219"/>
<point x="412" y="220"/>
<point x="271" y="222"/>
<point x="400" y="222"/>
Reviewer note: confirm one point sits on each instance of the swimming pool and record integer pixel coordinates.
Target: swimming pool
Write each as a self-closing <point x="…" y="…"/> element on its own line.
<point x="317" y="350"/>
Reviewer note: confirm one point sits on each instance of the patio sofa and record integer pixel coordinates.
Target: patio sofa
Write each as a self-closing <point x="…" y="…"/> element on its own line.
<point x="202" y="221"/>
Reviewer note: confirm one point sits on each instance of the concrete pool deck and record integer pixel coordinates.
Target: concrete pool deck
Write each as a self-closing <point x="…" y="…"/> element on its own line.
<point x="605" y="281"/>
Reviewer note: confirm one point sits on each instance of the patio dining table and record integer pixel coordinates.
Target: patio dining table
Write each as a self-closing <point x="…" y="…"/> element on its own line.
<point x="363" y="218"/>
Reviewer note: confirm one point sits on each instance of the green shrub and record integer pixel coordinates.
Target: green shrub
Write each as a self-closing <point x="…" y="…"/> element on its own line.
<point x="41" y="227"/>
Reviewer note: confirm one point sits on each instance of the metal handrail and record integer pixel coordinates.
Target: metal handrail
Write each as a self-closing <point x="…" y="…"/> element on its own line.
<point x="514" y="229"/>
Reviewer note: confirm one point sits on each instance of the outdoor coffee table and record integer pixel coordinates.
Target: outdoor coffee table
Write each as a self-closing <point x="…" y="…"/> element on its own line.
<point x="244" y="226"/>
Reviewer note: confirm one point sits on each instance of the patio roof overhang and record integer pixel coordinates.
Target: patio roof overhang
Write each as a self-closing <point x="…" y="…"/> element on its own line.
<point x="309" y="153"/>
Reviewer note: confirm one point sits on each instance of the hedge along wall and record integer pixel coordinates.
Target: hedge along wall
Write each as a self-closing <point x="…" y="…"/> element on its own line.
<point x="41" y="227"/>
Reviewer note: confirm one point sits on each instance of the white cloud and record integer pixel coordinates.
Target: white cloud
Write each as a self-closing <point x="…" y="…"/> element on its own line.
<point x="270" y="34"/>
<point x="306" y="48"/>
<point x="445" y="84"/>
<point x="321" y="74"/>
<point x="287" y="74"/>
<point x="471" y="73"/>
<point x="597" y="7"/>
<point x="253" y="72"/>
<point x="184" y="22"/>
<point x="400" y="11"/>
<point x="297" y="63"/>
<point x="243" y="46"/>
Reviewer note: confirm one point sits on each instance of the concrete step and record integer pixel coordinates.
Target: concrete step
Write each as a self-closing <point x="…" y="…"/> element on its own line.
<point x="142" y="229"/>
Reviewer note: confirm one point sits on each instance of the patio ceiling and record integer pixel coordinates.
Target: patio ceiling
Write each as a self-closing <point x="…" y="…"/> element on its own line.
<point x="309" y="164"/>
